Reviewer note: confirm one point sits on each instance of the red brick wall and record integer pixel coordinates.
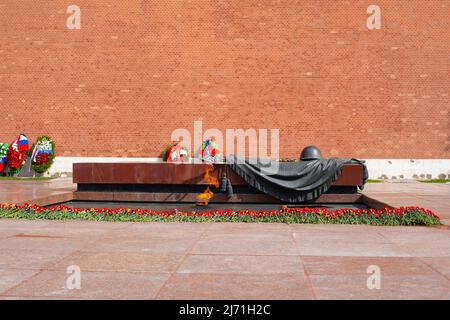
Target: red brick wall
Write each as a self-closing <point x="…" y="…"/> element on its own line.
<point x="136" y="71"/>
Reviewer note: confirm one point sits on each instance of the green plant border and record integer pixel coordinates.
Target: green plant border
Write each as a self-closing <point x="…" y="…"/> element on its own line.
<point x="38" y="178"/>
<point x="374" y="181"/>
<point x="410" y="216"/>
<point x="435" y="181"/>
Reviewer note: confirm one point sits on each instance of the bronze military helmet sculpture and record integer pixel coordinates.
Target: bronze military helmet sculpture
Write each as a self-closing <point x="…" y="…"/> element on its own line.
<point x="310" y="153"/>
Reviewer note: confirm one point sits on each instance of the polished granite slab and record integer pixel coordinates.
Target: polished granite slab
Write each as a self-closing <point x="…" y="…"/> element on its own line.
<point x="185" y="207"/>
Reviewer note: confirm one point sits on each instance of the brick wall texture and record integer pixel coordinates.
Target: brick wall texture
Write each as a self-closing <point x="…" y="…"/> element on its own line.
<point x="137" y="70"/>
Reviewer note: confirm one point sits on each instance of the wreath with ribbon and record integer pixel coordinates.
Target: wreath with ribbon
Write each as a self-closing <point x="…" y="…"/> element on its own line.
<point x="42" y="154"/>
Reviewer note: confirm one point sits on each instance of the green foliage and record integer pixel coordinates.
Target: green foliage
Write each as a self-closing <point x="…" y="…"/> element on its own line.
<point x="165" y="153"/>
<point x="435" y="181"/>
<point x="25" y="178"/>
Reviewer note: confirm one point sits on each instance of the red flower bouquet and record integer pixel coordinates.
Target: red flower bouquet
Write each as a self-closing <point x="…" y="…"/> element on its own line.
<point x="42" y="158"/>
<point x="15" y="159"/>
<point x="17" y="154"/>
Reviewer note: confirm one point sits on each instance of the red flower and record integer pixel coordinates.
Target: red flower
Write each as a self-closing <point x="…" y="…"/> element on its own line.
<point x="42" y="158"/>
<point x="284" y="211"/>
<point x="14" y="159"/>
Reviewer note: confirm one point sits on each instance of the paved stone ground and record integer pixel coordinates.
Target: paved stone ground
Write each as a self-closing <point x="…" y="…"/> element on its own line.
<point x="224" y="260"/>
<point x="20" y="191"/>
<point x="221" y="260"/>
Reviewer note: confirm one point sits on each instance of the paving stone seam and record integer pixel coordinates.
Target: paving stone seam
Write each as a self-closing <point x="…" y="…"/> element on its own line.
<point x="113" y="270"/>
<point x="245" y="255"/>
<point x="37" y="272"/>
<point x="188" y="251"/>
<point x="399" y="247"/>
<point x="227" y="253"/>
<point x="244" y="274"/>
<point x="44" y="268"/>
<point x="410" y="252"/>
<point x="21" y="282"/>
<point x="433" y="268"/>
<point x="305" y="271"/>
<point x="48" y="266"/>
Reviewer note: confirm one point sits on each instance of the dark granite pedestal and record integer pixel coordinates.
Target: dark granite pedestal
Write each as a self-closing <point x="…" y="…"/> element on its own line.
<point x="170" y="182"/>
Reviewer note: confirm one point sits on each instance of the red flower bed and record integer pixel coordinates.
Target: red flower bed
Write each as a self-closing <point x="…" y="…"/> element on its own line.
<point x="397" y="216"/>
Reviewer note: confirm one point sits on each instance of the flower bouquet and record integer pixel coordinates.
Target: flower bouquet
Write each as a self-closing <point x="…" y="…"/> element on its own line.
<point x="3" y="155"/>
<point x="17" y="153"/>
<point x="209" y="151"/>
<point x="43" y="154"/>
<point x="175" y="152"/>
